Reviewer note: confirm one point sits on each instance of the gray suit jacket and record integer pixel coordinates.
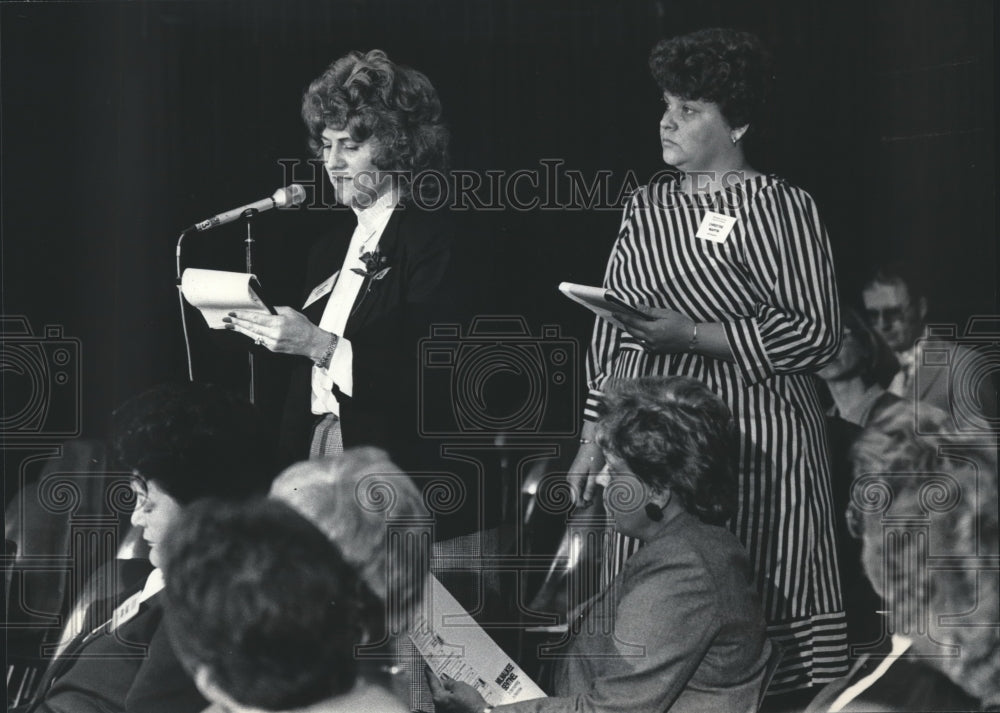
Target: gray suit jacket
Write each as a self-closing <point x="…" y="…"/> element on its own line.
<point x="680" y="629"/>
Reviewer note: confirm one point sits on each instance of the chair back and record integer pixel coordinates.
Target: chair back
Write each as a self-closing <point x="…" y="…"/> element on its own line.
<point x="777" y="652"/>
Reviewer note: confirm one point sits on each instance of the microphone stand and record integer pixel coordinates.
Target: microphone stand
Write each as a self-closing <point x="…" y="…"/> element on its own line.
<point x="249" y="214"/>
<point x="180" y="299"/>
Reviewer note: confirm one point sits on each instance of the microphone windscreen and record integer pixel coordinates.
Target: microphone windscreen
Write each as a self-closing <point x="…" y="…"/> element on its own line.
<point x="289" y="195"/>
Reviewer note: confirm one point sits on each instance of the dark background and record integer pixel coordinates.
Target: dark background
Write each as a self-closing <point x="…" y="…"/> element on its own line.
<point x="122" y="123"/>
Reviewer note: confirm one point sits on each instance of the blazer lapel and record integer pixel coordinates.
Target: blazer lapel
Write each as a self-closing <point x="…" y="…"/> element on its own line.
<point x="368" y="295"/>
<point x="326" y="262"/>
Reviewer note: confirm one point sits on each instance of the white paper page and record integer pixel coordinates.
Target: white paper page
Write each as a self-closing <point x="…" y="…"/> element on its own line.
<point x="453" y="644"/>
<point x="216" y="293"/>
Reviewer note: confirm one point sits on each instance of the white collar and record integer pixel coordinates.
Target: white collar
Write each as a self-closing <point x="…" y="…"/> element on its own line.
<point x="154" y="583"/>
<point x="377" y="214"/>
<point x="907" y="357"/>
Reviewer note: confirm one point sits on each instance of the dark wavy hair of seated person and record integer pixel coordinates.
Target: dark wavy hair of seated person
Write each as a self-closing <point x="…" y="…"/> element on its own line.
<point x="261" y="599"/>
<point x="195" y="440"/>
<point x="371" y="97"/>
<point x="673" y="432"/>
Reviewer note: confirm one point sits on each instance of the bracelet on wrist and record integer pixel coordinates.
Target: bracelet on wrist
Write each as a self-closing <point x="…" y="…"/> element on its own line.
<point x="585" y="441"/>
<point x="324" y="361"/>
<point x="693" y="344"/>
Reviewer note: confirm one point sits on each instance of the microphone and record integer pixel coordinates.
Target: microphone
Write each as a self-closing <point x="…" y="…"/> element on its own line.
<point x="283" y="198"/>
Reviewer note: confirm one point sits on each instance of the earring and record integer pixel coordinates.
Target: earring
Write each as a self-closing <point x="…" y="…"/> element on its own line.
<point x="733" y="137"/>
<point x="653" y="512"/>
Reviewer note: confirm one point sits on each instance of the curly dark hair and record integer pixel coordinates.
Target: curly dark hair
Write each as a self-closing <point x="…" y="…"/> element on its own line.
<point x="195" y="440"/>
<point x="721" y="65"/>
<point x="262" y="599"/>
<point x="371" y="97"/>
<point x="673" y="432"/>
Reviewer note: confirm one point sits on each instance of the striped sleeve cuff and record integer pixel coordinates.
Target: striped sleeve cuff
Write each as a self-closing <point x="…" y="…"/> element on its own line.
<point x="748" y="350"/>
<point x="592" y="407"/>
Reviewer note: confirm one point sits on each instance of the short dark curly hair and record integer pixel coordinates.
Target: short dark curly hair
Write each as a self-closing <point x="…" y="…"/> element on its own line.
<point x="371" y="97"/>
<point x="673" y="432"/>
<point x="720" y="65"/>
<point x="262" y="599"/>
<point x="195" y="440"/>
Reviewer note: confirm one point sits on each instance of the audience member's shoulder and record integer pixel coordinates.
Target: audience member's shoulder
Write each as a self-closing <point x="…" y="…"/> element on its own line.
<point x="689" y="540"/>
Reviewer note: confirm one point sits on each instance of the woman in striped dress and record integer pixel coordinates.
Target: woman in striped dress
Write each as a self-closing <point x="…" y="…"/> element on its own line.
<point x="733" y="270"/>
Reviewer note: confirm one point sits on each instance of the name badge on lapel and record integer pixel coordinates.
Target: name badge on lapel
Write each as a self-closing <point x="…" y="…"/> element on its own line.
<point x="715" y="227"/>
<point x="126" y="611"/>
<point x="322" y="288"/>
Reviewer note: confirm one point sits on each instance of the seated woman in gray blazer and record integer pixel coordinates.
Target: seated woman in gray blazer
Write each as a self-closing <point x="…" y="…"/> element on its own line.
<point x="681" y="628"/>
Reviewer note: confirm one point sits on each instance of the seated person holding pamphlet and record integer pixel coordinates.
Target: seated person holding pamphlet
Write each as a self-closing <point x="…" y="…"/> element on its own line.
<point x="680" y="628"/>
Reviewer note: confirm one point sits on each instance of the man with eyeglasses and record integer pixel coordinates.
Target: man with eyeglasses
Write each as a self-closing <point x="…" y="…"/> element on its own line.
<point x="946" y="374"/>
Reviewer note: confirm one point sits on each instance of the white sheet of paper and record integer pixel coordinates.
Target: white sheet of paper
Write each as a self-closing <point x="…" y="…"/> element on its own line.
<point x="216" y="293"/>
<point x="453" y="644"/>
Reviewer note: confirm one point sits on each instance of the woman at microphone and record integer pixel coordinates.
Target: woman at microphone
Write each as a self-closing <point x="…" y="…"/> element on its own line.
<point x="374" y="287"/>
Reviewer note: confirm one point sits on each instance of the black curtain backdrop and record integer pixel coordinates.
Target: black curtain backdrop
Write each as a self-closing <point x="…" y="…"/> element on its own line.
<point x="122" y="123"/>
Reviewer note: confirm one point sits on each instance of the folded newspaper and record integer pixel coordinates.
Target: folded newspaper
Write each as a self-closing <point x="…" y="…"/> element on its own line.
<point x="453" y="644"/>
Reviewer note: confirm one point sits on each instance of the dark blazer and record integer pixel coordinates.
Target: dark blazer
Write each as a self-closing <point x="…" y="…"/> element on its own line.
<point x="910" y="685"/>
<point x="388" y="319"/>
<point x="131" y="670"/>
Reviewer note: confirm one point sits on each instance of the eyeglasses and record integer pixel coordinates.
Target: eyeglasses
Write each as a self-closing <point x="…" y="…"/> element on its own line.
<point x="889" y="314"/>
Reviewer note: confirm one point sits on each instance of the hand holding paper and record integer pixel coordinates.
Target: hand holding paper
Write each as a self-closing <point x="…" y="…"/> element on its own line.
<point x="287" y="332"/>
<point x="216" y="293"/>
<point x="600" y="301"/>
<point x="457" y="649"/>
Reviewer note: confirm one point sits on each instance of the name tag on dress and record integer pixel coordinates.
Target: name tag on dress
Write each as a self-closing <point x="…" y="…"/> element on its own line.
<point x="715" y="227"/>
<point x="322" y="288"/>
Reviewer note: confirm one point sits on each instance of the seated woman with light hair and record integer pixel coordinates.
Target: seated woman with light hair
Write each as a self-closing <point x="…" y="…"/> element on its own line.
<point x="374" y="513"/>
<point x="357" y="499"/>
<point x="926" y="514"/>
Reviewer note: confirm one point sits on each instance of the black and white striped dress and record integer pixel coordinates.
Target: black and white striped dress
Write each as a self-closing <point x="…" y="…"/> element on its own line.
<point x="771" y="284"/>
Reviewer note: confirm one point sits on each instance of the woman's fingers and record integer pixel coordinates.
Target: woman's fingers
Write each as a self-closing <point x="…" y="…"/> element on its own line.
<point x="254" y="318"/>
<point x="433" y="682"/>
<point x="588" y="462"/>
<point x="260" y="331"/>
